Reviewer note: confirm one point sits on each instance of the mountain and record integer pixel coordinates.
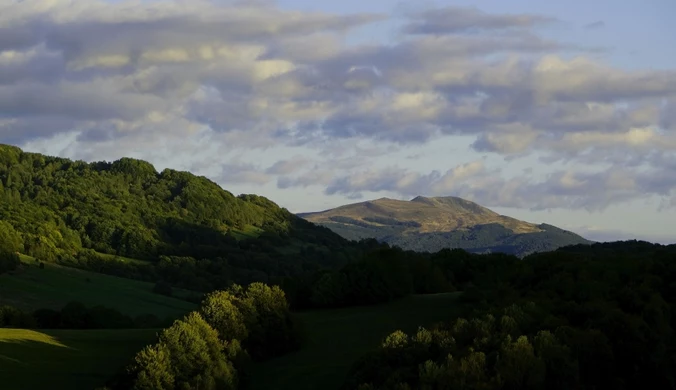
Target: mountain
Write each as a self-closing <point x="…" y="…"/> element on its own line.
<point x="432" y="224"/>
<point x="59" y="210"/>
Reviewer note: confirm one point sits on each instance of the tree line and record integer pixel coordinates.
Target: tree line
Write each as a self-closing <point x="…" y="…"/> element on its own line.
<point x="75" y="315"/>
<point x="383" y="274"/>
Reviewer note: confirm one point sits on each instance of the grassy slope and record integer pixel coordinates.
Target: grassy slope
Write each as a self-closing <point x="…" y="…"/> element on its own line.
<point x="52" y="287"/>
<point x="66" y="359"/>
<point x="336" y="338"/>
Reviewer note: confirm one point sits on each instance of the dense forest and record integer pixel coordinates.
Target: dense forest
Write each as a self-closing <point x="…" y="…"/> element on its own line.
<point x="176" y="226"/>
<point x="583" y="317"/>
<point x="75" y="315"/>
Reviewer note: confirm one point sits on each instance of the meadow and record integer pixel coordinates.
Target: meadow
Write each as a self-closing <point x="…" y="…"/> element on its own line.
<point x="32" y="287"/>
<point x="336" y="338"/>
<point x="66" y="359"/>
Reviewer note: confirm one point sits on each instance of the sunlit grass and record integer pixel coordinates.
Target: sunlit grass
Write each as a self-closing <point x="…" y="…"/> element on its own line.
<point x="25" y="335"/>
<point x="66" y="359"/>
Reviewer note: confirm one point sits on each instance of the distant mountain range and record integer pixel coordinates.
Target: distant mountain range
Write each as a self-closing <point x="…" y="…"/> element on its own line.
<point x="431" y="224"/>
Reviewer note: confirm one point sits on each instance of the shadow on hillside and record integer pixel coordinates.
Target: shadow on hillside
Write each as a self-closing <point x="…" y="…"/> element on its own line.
<point x="21" y="345"/>
<point x="66" y="359"/>
<point x="326" y="359"/>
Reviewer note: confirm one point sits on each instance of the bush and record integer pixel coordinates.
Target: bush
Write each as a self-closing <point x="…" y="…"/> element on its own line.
<point x="47" y="318"/>
<point x="11" y="317"/>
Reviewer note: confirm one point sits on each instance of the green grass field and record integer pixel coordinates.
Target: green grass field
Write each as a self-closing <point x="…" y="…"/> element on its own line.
<point x="123" y="259"/>
<point x="33" y="288"/>
<point x="246" y="232"/>
<point x="66" y="359"/>
<point x="337" y="338"/>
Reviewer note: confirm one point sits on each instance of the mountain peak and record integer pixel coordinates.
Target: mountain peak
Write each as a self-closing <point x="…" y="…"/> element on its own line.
<point x="432" y="223"/>
<point x="428" y="214"/>
<point x="453" y="203"/>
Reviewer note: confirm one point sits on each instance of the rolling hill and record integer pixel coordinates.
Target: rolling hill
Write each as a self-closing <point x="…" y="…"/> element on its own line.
<point x="190" y="231"/>
<point x="431" y="224"/>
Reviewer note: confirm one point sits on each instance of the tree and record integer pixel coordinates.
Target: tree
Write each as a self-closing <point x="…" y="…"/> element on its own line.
<point x="196" y="355"/>
<point x="274" y="332"/>
<point x="152" y="369"/>
<point x="11" y="317"/>
<point x="518" y="366"/>
<point x="10" y="239"/>
<point x="220" y="311"/>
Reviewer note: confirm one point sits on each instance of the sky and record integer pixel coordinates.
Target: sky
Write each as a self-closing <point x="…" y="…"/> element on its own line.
<point x="555" y="112"/>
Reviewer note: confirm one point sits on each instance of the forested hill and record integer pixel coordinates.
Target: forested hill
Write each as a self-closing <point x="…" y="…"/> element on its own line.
<point x="51" y="208"/>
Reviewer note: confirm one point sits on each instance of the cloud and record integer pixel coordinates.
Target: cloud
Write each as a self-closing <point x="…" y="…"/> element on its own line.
<point x="404" y="182"/>
<point x="197" y="80"/>
<point x="242" y="173"/>
<point x="460" y="19"/>
<point x="593" y="191"/>
<point x="286" y="167"/>
<point x="599" y="24"/>
<point x="96" y="61"/>
<point x="609" y="235"/>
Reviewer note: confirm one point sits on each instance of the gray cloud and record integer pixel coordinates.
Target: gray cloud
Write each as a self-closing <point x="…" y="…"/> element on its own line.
<point x="460" y="19"/>
<point x="307" y="179"/>
<point x="95" y="101"/>
<point x="608" y="235"/>
<point x="224" y="75"/>
<point x="90" y="60"/>
<point x="15" y="131"/>
<point x="668" y="115"/>
<point x="286" y="167"/>
<point x="593" y="191"/>
<point x="237" y="173"/>
<point x="599" y="24"/>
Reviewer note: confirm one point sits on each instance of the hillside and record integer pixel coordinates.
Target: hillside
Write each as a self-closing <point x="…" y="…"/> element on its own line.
<point x="192" y="232"/>
<point x="31" y="288"/>
<point x="66" y="359"/>
<point x="432" y="224"/>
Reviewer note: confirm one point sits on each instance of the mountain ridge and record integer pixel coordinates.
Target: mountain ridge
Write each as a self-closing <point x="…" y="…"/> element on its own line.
<point x="434" y="223"/>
